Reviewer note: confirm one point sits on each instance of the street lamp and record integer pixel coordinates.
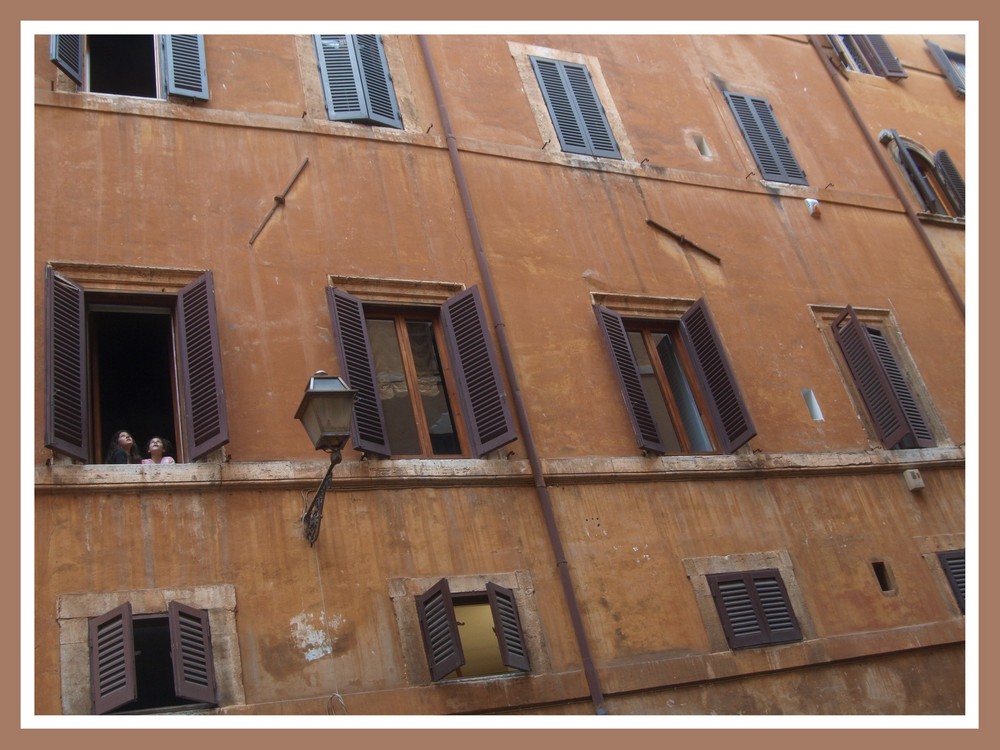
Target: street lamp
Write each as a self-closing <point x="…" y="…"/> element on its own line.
<point x="325" y="413"/>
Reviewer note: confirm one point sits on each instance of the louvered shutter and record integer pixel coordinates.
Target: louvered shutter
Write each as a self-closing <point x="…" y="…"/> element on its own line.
<point x="191" y="653"/>
<point x="66" y="51"/>
<point x="368" y="430"/>
<point x="880" y="381"/>
<point x="184" y="65"/>
<point x="112" y="659"/>
<point x="947" y="66"/>
<point x="951" y="179"/>
<point x="575" y="109"/>
<point x="953" y="563"/>
<point x="767" y="142"/>
<point x="613" y="329"/>
<point x="357" y="85"/>
<point x="507" y="626"/>
<point x="726" y="406"/>
<point x="917" y="178"/>
<point x="205" y="419"/>
<point x="879" y="56"/>
<point x="440" y="630"/>
<point x="754" y="608"/>
<point x="477" y="375"/>
<point x="67" y="422"/>
<point x="379" y="93"/>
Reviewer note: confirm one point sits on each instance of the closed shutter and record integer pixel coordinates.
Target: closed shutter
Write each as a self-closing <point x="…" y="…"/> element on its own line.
<point x="955" y="77"/>
<point x="477" y="375"/>
<point x="879" y="56"/>
<point x="629" y="379"/>
<point x="767" y="142"/>
<point x="439" y="628"/>
<point x="112" y="659"/>
<point x="206" y="423"/>
<point x="951" y="179"/>
<point x="881" y="383"/>
<point x="917" y="178"/>
<point x="507" y="626"/>
<point x="67" y="422"/>
<point x="66" y="51"/>
<point x="191" y="653"/>
<point x="754" y="608"/>
<point x="368" y="430"/>
<point x="953" y="563"/>
<point x="576" y="111"/>
<point x="357" y="85"/>
<point x="726" y="406"/>
<point x="184" y="65"/>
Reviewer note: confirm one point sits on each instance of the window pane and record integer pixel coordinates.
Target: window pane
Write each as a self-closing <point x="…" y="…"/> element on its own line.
<point x="392" y="389"/>
<point x="651" y="387"/>
<point x="433" y="394"/>
<point x="694" y="426"/>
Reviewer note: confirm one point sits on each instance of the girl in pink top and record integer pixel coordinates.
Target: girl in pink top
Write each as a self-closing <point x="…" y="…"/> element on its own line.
<point x="157" y="449"/>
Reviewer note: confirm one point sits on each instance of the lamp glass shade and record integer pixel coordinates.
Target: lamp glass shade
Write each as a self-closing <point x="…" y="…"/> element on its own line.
<point x="325" y="411"/>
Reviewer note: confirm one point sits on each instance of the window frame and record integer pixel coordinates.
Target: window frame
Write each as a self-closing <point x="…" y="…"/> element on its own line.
<point x="869" y="54"/>
<point x="357" y="83"/>
<point x="767" y="142"/>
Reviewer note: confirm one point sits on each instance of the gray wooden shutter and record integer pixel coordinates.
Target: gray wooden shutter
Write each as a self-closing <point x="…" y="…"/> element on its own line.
<point x="112" y="659"/>
<point x="879" y="56"/>
<point x="439" y="629"/>
<point x="66" y="51"/>
<point x="368" y="430"/>
<point x="726" y="406"/>
<point x="955" y="77"/>
<point x="191" y="653"/>
<point x="357" y="85"/>
<point x="205" y="420"/>
<point x="477" y="374"/>
<point x="507" y="626"/>
<point x="184" y="65"/>
<point x="575" y="109"/>
<point x="67" y="420"/>
<point x="754" y="608"/>
<point x="917" y="178"/>
<point x="767" y="142"/>
<point x="951" y="180"/>
<point x="880" y="381"/>
<point x="379" y="93"/>
<point x="953" y="563"/>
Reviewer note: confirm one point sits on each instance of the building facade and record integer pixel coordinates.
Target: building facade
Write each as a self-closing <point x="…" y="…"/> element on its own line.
<point x="658" y="344"/>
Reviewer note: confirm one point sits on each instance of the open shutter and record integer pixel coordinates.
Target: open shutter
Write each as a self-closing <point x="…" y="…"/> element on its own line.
<point x="955" y="77"/>
<point x="66" y="413"/>
<point x="507" y="626"/>
<point x="951" y="179"/>
<point x="184" y="65"/>
<point x="754" y="608"/>
<point x="368" y="430"/>
<point x="880" y="381"/>
<point x="440" y="630"/>
<point x="879" y="56"/>
<point x="917" y="178"/>
<point x="205" y="420"/>
<point x="953" y="563"/>
<point x="575" y="109"/>
<point x="726" y="406"/>
<point x="357" y="86"/>
<point x="627" y="370"/>
<point x="191" y="653"/>
<point x="66" y="51"/>
<point x="112" y="659"/>
<point x="379" y="93"/>
<point x="477" y="375"/>
<point x="767" y="142"/>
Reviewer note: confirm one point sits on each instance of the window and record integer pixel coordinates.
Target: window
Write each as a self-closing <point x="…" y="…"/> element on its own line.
<point x="357" y="85"/>
<point x="867" y="53"/>
<point x="143" y="663"/>
<point x="427" y="378"/>
<point x="754" y="608"/>
<point x="576" y="112"/>
<point x="953" y="563"/>
<point x="935" y="179"/>
<point x="471" y="634"/>
<point x="898" y="419"/>
<point x="763" y="135"/>
<point x="672" y="374"/>
<point x="111" y="363"/>
<point x="134" y="65"/>
<point x="952" y="64"/>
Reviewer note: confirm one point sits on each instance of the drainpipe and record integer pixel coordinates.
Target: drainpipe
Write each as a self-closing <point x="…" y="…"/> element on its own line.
<point x="596" y="695"/>
<point x="890" y="175"/>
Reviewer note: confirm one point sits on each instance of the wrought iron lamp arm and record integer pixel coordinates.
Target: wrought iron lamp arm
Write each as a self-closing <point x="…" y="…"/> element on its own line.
<point x="314" y="514"/>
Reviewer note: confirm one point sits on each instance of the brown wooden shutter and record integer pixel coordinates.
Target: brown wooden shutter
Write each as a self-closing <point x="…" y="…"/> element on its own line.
<point x="368" y="430"/>
<point x="205" y="420"/>
<point x="440" y="630"/>
<point x="754" y="608"/>
<point x="917" y="178"/>
<point x="507" y="626"/>
<point x="613" y="329"/>
<point x="191" y="653"/>
<point x="953" y="563"/>
<point x="67" y="420"/>
<point x="765" y="138"/>
<point x="951" y="179"/>
<point x="477" y="375"/>
<point x="727" y="408"/>
<point x="112" y="659"/>
<point x="879" y="56"/>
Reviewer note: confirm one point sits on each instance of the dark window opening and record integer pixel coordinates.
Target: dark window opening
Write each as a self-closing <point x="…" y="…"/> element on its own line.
<point x="884" y="576"/>
<point x="122" y="64"/>
<point x="154" y="671"/>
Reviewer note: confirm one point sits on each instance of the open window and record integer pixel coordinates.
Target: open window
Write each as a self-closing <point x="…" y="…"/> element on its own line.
<point x="144" y="65"/>
<point x="357" y="84"/>
<point x="754" y="608"/>
<point x="867" y="53"/>
<point x="147" y="363"/>
<point x="934" y="178"/>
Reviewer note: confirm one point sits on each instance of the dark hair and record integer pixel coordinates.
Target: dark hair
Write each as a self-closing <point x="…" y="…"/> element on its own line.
<point x="168" y="447"/>
<point x="117" y="455"/>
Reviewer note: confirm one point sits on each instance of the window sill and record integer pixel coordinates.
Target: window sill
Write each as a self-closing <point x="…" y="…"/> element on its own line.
<point x="950" y="221"/>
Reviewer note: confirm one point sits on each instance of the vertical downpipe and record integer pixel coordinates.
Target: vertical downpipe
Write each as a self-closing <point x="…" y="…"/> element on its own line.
<point x="596" y="695"/>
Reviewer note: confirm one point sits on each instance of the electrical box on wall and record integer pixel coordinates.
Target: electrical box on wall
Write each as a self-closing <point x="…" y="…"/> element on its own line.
<point x="913" y="479"/>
